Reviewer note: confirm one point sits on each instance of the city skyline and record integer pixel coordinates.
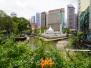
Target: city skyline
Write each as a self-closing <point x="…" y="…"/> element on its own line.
<point x="28" y="8"/>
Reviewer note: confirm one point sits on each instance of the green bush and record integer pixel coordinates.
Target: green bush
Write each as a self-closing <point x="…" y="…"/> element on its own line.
<point x="14" y="55"/>
<point x="18" y="55"/>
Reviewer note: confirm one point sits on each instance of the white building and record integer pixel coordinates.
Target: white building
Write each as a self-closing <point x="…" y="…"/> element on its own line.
<point x="50" y="33"/>
<point x="13" y="14"/>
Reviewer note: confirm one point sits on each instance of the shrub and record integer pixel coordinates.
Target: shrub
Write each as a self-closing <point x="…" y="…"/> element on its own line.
<point x="19" y="55"/>
<point x="14" y="55"/>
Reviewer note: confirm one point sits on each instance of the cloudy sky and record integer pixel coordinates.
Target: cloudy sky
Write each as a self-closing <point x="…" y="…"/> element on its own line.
<point x="27" y="8"/>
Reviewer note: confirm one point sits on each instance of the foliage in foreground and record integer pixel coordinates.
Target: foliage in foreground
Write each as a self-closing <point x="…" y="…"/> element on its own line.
<point x="77" y="40"/>
<point x="19" y="55"/>
<point x="13" y="55"/>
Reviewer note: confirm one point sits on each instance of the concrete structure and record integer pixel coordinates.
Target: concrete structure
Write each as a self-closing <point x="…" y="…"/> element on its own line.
<point x="90" y="17"/>
<point x="85" y="18"/>
<point x="37" y="19"/>
<point x="47" y="20"/>
<point x="71" y="17"/>
<point x="56" y="18"/>
<point x="13" y="14"/>
<point x="50" y="33"/>
<point x="63" y="17"/>
<point x="82" y="5"/>
<point x="76" y="21"/>
<point x="32" y="20"/>
<point x="43" y="19"/>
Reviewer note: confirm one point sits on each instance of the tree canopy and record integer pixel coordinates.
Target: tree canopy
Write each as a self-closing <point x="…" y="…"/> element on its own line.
<point x="13" y="24"/>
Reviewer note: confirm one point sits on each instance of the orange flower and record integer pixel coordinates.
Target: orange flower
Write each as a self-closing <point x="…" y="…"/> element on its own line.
<point x="51" y="63"/>
<point x="46" y="62"/>
<point x="42" y="65"/>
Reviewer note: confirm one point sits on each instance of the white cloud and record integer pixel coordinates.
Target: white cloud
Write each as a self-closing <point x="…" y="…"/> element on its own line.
<point x="27" y="8"/>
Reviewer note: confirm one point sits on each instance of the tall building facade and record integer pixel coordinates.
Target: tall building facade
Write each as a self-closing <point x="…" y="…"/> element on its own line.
<point x="71" y="17"/>
<point x="90" y="17"/>
<point x="47" y="20"/>
<point x="37" y="19"/>
<point x="56" y="18"/>
<point x="32" y="20"/>
<point x="63" y="17"/>
<point x="43" y="19"/>
<point x="82" y="6"/>
<point x="76" y="21"/>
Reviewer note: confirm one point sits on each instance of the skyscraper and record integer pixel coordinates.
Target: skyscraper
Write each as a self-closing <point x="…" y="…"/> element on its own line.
<point x="62" y="17"/>
<point x="43" y="19"/>
<point x="71" y="17"/>
<point x="82" y="6"/>
<point x="37" y="19"/>
<point x="56" y="18"/>
<point x="32" y="20"/>
<point x="76" y="22"/>
<point x="90" y="17"/>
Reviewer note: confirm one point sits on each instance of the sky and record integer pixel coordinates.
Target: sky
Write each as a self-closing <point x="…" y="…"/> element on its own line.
<point x="28" y="8"/>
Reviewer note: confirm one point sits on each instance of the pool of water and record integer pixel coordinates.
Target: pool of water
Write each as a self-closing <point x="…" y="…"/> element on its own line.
<point x="35" y="42"/>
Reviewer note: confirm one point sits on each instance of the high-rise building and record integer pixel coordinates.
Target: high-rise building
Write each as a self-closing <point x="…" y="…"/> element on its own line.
<point x="13" y="14"/>
<point x="56" y="18"/>
<point x="43" y="19"/>
<point x="46" y="19"/>
<point x="71" y="17"/>
<point x="37" y="19"/>
<point x="32" y="20"/>
<point x="76" y="22"/>
<point x="62" y="17"/>
<point x="90" y="17"/>
<point x="82" y="6"/>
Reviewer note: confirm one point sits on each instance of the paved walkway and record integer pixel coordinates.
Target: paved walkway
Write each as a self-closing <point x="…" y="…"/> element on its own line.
<point x="61" y="44"/>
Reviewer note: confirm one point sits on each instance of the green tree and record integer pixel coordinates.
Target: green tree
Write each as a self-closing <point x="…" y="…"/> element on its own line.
<point x="66" y="30"/>
<point x="77" y="40"/>
<point x="15" y="27"/>
<point x="22" y="24"/>
<point x="15" y="24"/>
<point x="43" y="29"/>
<point x="2" y="13"/>
<point x="6" y="23"/>
<point x="37" y="30"/>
